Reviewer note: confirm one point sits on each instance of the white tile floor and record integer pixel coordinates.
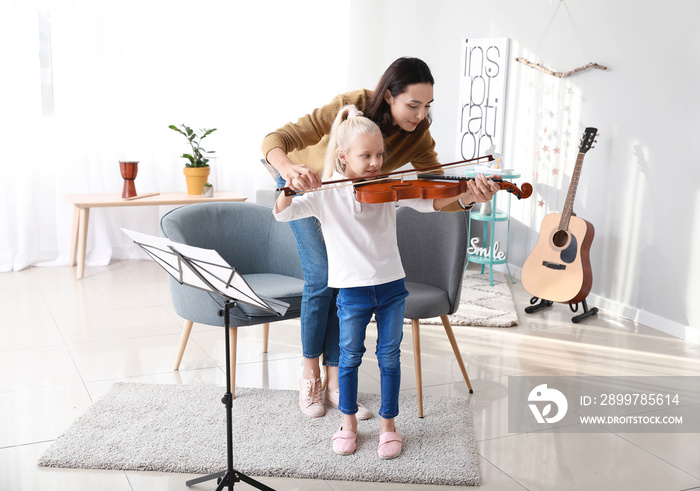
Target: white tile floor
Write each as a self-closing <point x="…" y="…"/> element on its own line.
<point x="65" y="341"/>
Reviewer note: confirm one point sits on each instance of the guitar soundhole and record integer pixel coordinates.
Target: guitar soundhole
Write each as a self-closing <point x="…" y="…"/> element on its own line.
<point x="560" y="238"/>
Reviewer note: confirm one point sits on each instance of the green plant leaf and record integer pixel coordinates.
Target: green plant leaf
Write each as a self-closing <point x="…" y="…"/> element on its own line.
<point x="175" y="128"/>
<point x="207" y="132"/>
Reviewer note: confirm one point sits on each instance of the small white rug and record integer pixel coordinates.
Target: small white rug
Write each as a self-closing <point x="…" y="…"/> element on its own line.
<point x="482" y="304"/>
<point x="182" y="428"/>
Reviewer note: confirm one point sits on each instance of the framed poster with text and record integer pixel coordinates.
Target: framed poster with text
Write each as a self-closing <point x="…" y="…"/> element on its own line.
<point x="483" y="83"/>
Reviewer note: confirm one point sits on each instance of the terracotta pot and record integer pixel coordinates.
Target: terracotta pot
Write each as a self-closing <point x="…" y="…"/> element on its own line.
<point x="196" y="178"/>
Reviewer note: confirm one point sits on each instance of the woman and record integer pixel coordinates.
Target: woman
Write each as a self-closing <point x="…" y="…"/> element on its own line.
<point x="400" y="106"/>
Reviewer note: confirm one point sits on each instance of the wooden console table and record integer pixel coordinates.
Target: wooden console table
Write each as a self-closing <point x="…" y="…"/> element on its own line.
<point x="83" y="202"/>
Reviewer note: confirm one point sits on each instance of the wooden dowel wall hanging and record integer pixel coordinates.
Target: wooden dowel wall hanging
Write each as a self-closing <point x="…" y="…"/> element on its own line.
<point x="560" y="74"/>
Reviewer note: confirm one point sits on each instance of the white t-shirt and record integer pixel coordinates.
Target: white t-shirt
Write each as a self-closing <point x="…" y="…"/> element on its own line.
<point x="360" y="238"/>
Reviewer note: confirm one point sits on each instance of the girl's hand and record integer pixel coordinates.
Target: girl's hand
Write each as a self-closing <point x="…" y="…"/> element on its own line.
<point x="480" y="190"/>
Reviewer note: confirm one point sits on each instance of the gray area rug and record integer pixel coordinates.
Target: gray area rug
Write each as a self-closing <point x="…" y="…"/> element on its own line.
<point x="182" y="428"/>
<point x="482" y="304"/>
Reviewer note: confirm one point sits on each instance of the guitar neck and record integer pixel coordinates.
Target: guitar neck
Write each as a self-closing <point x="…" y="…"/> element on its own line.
<point x="571" y="195"/>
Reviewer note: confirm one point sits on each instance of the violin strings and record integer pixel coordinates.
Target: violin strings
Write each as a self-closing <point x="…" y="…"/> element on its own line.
<point x="387" y="178"/>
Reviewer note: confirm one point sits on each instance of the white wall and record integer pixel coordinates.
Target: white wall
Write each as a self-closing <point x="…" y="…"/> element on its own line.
<point x="638" y="186"/>
<point x="123" y="72"/>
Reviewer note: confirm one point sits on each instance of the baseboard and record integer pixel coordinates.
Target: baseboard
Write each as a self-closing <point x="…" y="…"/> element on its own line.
<point x="662" y="324"/>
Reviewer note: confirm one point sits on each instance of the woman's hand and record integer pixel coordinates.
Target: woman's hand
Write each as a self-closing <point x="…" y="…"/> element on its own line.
<point x="302" y="178"/>
<point x="298" y="177"/>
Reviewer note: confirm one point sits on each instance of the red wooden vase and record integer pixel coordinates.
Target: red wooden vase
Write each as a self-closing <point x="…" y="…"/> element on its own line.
<point x="129" y="170"/>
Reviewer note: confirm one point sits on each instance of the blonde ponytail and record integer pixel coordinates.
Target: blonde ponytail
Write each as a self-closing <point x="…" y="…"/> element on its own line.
<point x="348" y="124"/>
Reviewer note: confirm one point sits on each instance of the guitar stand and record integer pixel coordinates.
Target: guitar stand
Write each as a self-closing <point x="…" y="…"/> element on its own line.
<point x="586" y="311"/>
<point x="534" y="308"/>
<point x="543" y="304"/>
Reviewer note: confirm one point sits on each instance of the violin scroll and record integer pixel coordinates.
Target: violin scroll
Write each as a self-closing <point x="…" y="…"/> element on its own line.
<point x="525" y="190"/>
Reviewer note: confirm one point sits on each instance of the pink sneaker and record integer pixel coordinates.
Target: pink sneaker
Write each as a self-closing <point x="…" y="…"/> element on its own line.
<point x="310" y="401"/>
<point x="332" y="399"/>
<point x="389" y="445"/>
<point x="344" y="442"/>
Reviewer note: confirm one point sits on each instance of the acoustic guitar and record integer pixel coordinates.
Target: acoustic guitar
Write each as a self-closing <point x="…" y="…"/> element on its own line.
<point x="559" y="268"/>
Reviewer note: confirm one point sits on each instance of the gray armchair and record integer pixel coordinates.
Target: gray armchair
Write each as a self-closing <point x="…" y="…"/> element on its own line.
<point x="249" y="238"/>
<point x="433" y="249"/>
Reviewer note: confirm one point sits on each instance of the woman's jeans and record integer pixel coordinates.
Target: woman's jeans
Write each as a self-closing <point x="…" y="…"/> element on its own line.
<point x="355" y="309"/>
<point x="319" y="317"/>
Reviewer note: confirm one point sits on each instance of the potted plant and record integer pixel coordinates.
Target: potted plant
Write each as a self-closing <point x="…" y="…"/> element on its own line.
<point x="196" y="168"/>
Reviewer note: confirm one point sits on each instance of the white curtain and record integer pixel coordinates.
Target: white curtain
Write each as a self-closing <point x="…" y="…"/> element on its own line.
<point x="117" y="74"/>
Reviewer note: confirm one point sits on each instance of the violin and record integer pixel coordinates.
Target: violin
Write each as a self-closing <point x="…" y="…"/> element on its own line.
<point x="380" y="189"/>
<point x="427" y="186"/>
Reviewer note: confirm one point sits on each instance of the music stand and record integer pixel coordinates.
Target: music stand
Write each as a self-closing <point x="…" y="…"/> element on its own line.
<point x="206" y="270"/>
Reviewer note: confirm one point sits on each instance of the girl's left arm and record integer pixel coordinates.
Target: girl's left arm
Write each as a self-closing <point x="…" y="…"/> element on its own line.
<point x="282" y="202"/>
<point x="287" y="209"/>
<point x="479" y="190"/>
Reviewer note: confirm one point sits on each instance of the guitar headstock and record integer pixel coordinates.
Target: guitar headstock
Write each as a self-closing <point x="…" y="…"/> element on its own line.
<point x="587" y="140"/>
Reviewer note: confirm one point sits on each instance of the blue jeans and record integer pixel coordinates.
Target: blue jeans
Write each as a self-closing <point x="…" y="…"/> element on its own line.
<point x="355" y="309"/>
<point x="319" y="317"/>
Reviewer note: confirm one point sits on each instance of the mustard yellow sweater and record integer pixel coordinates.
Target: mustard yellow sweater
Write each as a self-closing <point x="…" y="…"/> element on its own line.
<point x="306" y="140"/>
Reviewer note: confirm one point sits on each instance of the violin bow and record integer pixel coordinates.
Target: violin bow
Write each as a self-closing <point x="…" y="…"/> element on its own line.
<point x="383" y="177"/>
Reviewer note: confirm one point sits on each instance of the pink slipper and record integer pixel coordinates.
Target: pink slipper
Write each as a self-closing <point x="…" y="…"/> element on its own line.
<point x="344" y="442"/>
<point x="389" y="445"/>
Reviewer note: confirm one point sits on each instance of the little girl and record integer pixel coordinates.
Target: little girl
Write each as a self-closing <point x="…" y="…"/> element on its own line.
<point x="364" y="264"/>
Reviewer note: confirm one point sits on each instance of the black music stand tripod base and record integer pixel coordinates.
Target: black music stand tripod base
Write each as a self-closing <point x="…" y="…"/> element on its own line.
<point x="227" y="479"/>
<point x="543" y="304"/>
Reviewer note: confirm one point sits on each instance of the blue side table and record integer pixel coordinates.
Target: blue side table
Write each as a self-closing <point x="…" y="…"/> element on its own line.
<point x="485" y="253"/>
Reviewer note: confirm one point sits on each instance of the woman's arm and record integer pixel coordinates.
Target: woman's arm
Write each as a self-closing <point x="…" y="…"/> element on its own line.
<point x="307" y="131"/>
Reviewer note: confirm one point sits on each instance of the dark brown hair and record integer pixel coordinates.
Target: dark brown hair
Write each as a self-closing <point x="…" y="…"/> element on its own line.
<point x="400" y="74"/>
